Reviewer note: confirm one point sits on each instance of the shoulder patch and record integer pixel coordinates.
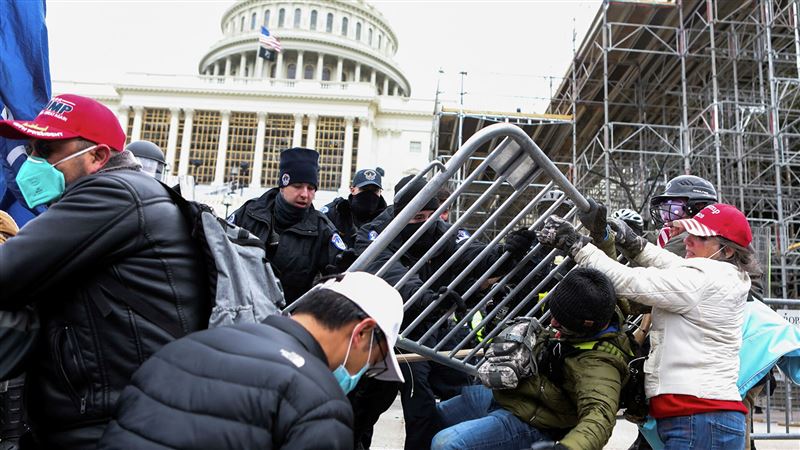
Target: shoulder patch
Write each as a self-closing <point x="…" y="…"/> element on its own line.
<point x="372" y="235"/>
<point x="324" y="209"/>
<point x="462" y="235"/>
<point x="293" y="358"/>
<point x="337" y="242"/>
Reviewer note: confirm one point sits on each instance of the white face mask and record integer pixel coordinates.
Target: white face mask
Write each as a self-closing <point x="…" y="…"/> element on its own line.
<point x="721" y="248"/>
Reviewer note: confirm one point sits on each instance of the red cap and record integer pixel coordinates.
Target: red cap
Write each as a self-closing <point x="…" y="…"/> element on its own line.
<point x="69" y="116"/>
<point x="720" y="219"/>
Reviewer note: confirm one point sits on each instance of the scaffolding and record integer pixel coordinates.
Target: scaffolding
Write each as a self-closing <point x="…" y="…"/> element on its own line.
<point x="703" y="87"/>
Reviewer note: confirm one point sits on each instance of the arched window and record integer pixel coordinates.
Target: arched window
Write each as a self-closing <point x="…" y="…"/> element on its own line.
<point x="266" y="18"/>
<point x="344" y="26"/>
<point x="291" y="71"/>
<point x="326" y="74"/>
<point x="380" y="38"/>
<point x="297" y="15"/>
<point x="369" y="37"/>
<point x="313" y="19"/>
<point x="281" y="17"/>
<point x="253" y="21"/>
<point x="241" y="25"/>
<point x="329" y="23"/>
<point x="308" y="72"/>
<point x="358" y="31"/>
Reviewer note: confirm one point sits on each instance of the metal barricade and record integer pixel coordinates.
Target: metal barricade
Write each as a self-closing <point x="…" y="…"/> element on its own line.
<point x="517" y="169"/>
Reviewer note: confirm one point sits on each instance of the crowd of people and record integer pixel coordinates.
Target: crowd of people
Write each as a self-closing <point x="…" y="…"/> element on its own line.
<point x="100" y="374"/>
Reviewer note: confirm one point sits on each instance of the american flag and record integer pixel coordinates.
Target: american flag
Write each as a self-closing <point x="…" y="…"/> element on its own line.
<point x="268" y="41"/>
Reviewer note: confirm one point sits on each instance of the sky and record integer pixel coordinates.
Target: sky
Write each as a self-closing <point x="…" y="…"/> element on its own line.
<point x="514" y="52"/>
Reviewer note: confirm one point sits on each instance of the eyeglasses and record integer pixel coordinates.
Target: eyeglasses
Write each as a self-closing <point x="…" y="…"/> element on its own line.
<point x="380" y="367"/>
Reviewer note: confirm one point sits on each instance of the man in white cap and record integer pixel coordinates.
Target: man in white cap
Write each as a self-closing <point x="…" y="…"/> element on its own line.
<point x="280" y="384"/>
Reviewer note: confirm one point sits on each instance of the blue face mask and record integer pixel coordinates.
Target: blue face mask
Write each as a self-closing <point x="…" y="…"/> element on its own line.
<point x="40" y="182"/>
<point x="346" y="381"/>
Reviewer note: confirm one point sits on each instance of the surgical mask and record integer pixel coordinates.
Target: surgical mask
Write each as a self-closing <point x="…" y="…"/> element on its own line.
<point x="346" y="381"/>
<point x="721" y="248"/>
<point x="40" y="182"/>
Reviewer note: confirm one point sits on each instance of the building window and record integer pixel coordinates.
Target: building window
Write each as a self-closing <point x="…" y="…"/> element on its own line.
<point x="266" y="18"/>
<point x="344" y="26"/>
<point x="281" y="17"/>
<point x="277" y="136"/>
<point x="272" y="70"/>
<point x="297" y="15"/>
<point x="380" y="39"/>
<point x="326" y="74"/>
<point x="291" y="71"/>
<point x="358" y="31"/>
<point x="369" y="37"/>
<point x="241" y="142"/>
<point x="308" y="72"/>
<point x="253" y="21"/>
<point x="329" y="23"/>
<point x="241" y="25"/>
<point x="314" y="19"/>
<point x="330" y="145"/>
<point x="415" y="146"/>
<point x="205" y="144"/>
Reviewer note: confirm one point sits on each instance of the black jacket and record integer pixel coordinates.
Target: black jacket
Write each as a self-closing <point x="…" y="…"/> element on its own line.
<point x="339" y="212"/>
<point x="304" y="251"/>
<point x="370" y="232"/>
<point x="120" y="224"/>
<point x="255" y="386"/>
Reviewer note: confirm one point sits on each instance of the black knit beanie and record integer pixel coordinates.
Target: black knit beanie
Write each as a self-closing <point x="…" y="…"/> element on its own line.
<point x="400" y="201"/>
<point x="298" y="165"/>
<point x="584" y="301"/>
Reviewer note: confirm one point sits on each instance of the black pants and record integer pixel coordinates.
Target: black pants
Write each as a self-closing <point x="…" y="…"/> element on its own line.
<point x="369" y="400"/>
<point x="425" y="381"/>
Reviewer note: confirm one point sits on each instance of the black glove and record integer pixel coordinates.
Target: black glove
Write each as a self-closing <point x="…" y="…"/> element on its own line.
<point x="451" y="298"/>
<point x="345" y="259"/>
<point x="595" y="220"/>
<point x="630" y="243"/>
<point x="519" y="242"/>
<point x="560" y="234"/>
<point x="548" y="445"/>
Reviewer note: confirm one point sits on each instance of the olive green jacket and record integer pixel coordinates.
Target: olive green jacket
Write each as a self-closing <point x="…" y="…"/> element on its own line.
<point x="585" y="405"/>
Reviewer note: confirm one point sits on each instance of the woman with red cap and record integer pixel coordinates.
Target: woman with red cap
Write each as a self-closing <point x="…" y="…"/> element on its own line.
<point x="698" y="313"/>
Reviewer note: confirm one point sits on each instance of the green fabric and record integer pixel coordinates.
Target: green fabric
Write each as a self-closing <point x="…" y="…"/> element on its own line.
<point x="586" y="404"/>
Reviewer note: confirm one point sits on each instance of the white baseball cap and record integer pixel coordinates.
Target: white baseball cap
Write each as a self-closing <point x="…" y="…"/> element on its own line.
<point x="379" y="300"/>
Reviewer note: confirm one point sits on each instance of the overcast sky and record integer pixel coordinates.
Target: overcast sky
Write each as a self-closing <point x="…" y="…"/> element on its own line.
<point x="509" y="49"/>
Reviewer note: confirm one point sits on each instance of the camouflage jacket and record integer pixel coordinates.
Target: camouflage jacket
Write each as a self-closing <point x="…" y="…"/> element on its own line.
<point x="582" y="408"/>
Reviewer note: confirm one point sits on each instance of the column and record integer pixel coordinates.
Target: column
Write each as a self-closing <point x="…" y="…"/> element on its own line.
<point x="365" y="156"/>
<point x="222" y="150"/>
<point x="357" y="75"/>
<point x="227" y="67"/>
<point x="136" y="132"/>
<point x="259" y="70"/>
<point x="243" y="64"/>
<point x="373" y="78"/>
<point x="320" y="64"/>
<point x="339" y="65"/>
<point x="298" y="74"/>
<point x="186" y="142"/>
<point x="122" y="115"/>
<point x="258" y="152"/>
<point x="297" y="135"/>
<point x="396" y="90"/>
<point x="385" y="85"/>
<point x="215" y="69"/>
<point x="172" y="138"/>
<point x="347" y="157"/>
<point x="279" y="66"/>
<point x="311" y="139"/>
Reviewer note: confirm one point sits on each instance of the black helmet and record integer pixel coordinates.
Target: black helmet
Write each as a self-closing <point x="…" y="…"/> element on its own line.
<point x="150" y="156"/>
<point x="697" y="193"/>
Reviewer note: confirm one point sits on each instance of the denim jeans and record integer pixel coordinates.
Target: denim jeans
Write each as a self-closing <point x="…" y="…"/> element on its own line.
<point x="722" y="430"/>
<point x="474" y="421"/>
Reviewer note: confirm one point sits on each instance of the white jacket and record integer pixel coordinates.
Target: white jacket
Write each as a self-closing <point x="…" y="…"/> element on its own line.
<point x="698" y="313"/>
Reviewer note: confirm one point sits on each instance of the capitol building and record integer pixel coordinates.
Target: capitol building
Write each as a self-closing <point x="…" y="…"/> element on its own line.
<point x="335" y="88"/>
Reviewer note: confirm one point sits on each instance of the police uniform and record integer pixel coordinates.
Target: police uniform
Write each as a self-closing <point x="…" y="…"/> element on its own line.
<point x="307" y="248"/>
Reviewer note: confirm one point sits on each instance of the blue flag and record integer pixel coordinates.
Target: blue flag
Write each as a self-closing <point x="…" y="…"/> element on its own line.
<point x="24" y="89"/>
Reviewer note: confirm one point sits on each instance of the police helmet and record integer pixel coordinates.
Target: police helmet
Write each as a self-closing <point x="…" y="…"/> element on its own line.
<point x="150" y="156"/>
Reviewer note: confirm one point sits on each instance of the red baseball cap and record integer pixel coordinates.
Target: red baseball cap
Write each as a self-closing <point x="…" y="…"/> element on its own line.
<point x="720" y="219"/>
<point x="69" y="116"/>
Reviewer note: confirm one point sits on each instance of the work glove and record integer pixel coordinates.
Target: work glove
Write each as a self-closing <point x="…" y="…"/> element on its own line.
<point x="547" y="445"/>
<point x="595" y="220"/>
<point x="342" y="262"/>
<point x="560" y="234"/>
<point x="519" y="242"/>
<point x="451" y="298"/>
<point x="630" y="243"/>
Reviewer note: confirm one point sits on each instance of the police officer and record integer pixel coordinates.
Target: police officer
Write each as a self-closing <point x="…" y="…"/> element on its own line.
<point x="301" y="242"/>
<point x="150" y="156"/>
<point x="363" y="204"/>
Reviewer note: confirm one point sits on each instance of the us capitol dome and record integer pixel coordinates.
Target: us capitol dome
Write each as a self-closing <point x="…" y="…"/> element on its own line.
<point x="335" y="87"/>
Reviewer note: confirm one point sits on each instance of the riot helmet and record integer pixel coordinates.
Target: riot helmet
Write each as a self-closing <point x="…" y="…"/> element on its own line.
<point x="150" y="157"/>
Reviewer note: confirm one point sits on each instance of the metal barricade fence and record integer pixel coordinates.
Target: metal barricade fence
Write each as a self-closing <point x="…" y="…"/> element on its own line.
<point x="519" y="167"/>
